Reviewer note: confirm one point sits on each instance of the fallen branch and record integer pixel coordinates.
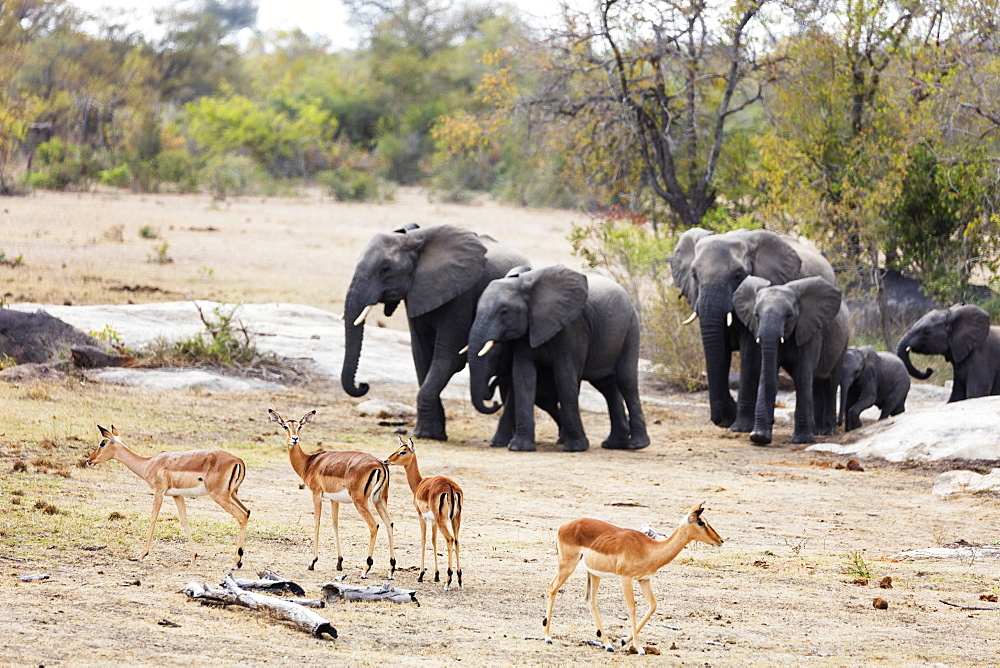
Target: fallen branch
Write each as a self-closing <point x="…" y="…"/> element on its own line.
<point x="333" y="591"/>
<point x="272" y="583"/>
<point x="967" y="607"/>
<point x="231" y="594"/>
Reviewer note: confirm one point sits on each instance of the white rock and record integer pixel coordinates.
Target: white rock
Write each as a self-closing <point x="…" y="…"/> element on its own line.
<point x="953" y="482"/>
<point x="386" y="409"/>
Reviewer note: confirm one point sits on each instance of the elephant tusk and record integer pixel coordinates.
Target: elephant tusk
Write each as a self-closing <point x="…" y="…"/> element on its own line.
<point x="463" y="350"/>
<point x="758" y="340"/>
<point x="486" y="348"/>
<point x="364" y="314"/>
<point x="782" y="340"/>
<point x="729" y="319"/>
<point x="691" y="318"/>
<point x="908" y="349"/>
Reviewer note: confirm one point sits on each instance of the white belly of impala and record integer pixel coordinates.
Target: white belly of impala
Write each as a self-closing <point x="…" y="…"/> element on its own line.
<point x="188" y="491"/>
<point x="600" y="574"/>
<point x="338" y="497"/>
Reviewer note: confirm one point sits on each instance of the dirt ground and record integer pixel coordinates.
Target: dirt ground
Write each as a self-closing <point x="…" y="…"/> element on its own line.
<point x="783" y="589"/>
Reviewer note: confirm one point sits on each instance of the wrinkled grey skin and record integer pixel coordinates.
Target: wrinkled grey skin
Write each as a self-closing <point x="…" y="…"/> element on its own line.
<point x="439" y="272"/>
<point x="575" y="327"/>
<point x="961" y="333"/>
<point x="871" y="378"/>
<point x="707" y="268"/>
<point x="802" y="327"/>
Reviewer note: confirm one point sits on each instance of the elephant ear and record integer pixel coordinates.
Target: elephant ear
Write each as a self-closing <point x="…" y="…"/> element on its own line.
<point x="819" y="304"/>
<point x="557" y="298"/>
<point x="968" y="327"/>
<point x="745" y="297"/>
<point x="681" y="260"/>
<point x="871" y="365"/>
<point x="450" y="261"/>
<point x="773" y="258"/>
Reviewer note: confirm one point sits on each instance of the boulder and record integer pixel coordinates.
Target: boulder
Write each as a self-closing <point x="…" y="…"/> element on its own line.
<point x="39" y="338"/>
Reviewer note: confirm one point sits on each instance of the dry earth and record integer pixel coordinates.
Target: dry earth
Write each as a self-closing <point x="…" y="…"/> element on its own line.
<point x="779" y="591"/>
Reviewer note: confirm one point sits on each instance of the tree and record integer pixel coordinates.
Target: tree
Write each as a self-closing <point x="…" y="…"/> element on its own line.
<point x="663" y="83"/>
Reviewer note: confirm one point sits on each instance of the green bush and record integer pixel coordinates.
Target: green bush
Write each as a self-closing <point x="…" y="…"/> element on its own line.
<point x="117" y="177"/>
<point x="352" y="185"/>
<point x="230" y="175"/>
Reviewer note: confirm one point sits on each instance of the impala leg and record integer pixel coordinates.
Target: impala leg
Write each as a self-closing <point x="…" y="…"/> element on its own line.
<point x="157" y="502"/>
<point x="629" y="592"/>
<point x="383" y="512"/>
<point x="317" y="515"/>
<point x="335" y="512"/>
<point x="647" y="590"/>
<point x="449" y="542"/>
<point x="434" y="550"/>
<point x="423" y="544"/>
<point x="567" y="564"/>
<point x="593" y="582"/>
<point x="456" y="523"/>
<point x="232" y="505"/>
<point x="366" y="515"/>
<point x="182" y="512"/>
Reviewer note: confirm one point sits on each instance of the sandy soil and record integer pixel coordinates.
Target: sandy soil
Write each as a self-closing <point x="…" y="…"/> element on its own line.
<point x="780" y="590"/>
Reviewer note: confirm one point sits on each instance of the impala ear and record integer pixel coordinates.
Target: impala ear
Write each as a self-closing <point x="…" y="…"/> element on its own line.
<point x="104" y="432"/>
<point x="694" y="515"/>
<point x="412" y="448"/>
<point x="275" y="417"/>
<point x="114" y="432"/>
<point x="307" y="418"/>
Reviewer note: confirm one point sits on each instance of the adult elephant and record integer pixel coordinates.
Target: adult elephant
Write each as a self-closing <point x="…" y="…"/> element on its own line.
<point x="801" y="326"/>
<point x="707" y="268"/>
<point x="964" y="336"/>
<point x="574" y="326"/>
<point x="871" y="378"/>
<point x="439" y="272"/>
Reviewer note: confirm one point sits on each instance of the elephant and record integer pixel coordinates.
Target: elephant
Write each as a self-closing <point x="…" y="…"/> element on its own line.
<point x="707" y="268"/>
<point x="870" y="378"/>
<point x="439" y="272"/>
<point x="573" y="326"/>
<point x="962" y="333"/>
<point x="803" y="327"/>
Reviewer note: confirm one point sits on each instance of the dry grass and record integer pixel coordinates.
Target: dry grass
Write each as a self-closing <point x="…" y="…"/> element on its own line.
<point x="775" y="593"/>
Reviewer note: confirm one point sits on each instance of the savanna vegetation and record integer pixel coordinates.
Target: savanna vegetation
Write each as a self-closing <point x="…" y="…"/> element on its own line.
<point x="868" y="126"/>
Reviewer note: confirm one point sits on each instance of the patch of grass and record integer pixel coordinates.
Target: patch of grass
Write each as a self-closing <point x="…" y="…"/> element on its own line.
<point x="857" y="566"/>
<point x="149" y="232"/>
<point x="159" y="254"/>
<point x="115" y="234"/>
<point x="11" y="261"/>
<point x="110" y="336"/>
<point x="6" y="361"/>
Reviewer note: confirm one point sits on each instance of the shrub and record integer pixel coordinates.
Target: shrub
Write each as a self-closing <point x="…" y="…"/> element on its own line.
<point x="353" y="185"/>
<point x="230" y="175"/>
<point x="117" y="177"/>
<point x="159" y="254"/>
<point x="149" y="232"/>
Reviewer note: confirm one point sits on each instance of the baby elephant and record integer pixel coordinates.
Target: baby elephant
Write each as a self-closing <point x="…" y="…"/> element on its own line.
<point x="871" y="378"/>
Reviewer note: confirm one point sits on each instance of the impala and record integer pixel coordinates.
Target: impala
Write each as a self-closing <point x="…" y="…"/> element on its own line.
<point x="438" y="500"/>
<point x="609" y="550"/>
<point x="341" y="477"/>
<point x="188" y="473"/>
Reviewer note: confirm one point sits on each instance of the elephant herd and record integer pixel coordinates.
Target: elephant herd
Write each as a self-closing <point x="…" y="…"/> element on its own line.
<point x="532" y="334"/>
<point x="535" y="334"/>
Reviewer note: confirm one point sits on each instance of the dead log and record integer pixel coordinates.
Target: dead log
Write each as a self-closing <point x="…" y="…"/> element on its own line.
<point x="231" y="594"/>
<point x="271" y="585"/>
<point x="333" y="591"/>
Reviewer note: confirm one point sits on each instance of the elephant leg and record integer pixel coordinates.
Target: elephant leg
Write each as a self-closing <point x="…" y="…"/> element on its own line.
<point x="444" y="362"/>
<point x="627" y="379"/>
<point x="749" y="382"/>
<point x="505" y="425"/>
<point x="524" y="379"/>
<point x="864" y="401"/>
<point x="618" y="438"/>
<point x="958" y="389"/>
<point x="568" y="388"/>
<point x="824" y="408"/>
<point x="547" y="399"/>
<point x="805" y="417"/>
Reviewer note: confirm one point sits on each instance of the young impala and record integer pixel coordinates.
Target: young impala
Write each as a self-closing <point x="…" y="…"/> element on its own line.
<point x="608" y="550"/>
<point x="188" y="473"/>
<point x="438" y="500"/>
<point x="341" y="477"/>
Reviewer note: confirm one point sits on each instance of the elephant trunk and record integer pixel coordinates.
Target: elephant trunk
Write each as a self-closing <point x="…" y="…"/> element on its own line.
<point x="353" y="336"/>
<point x="903" y="352"/>
<point x="769" y="334"/>
<point x="715" y="304"/>
<point x="482" y="372"/>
